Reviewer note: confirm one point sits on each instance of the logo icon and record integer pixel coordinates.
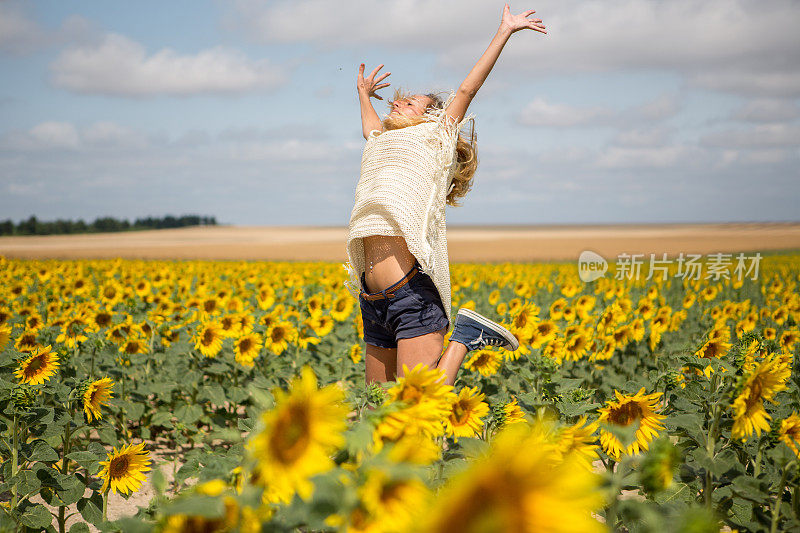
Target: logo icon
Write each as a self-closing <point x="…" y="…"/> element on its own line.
<point x="591" y="266"/>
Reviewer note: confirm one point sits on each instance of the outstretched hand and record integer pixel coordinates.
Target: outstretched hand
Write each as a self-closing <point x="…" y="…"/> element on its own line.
<point x="521" y="21"/>
<point x="369" y="85"/>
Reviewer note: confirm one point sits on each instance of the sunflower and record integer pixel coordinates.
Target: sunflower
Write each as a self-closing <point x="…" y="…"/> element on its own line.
<point x="575" y="345"/>
<point x="99" y="319"/>
<point x="229" y="325"/>
<point x="38" y="367"/>
<point x="486" y="362"/>
<point x="624" y="411"/>
<point x="323" y="325"/>
<point x="298" y="437"/>
<point x="342" y="307"/>
<point x="557" y="308"/>
<point x="33" y="322"/>
<point x="521" y="492"/>
<point x="637" y="329"/>
<point x="5" y="336"/>
<point x="421" y="384"/>
<point x="133" y="345"/>
<point x="392" y="500"/>
<point x="423" y="405"/>
<point x="790" y="432"/>
<point x="314" y="306"/>
<point x="543" y="332"/>
<point x="278" y="336"/>
<point x="123" y="469"/>
<point x="524" y="318"/>
<point x="494" y="297"/>
<point x="579" y="439"/>
<point x="761" y="383"/>
<point x="506" y="414"/>
<point x="466" y="413"/>
<point x="72" y="331"/>
<point x="513" y="413"/>
<point x="355" y="353"/>
<point x="246" y="348"/>
<point x="789" y="339"/>
<point x="96" y="395"/>
<point x="415" y="449"/>
<point x="306" y="335"/>
<point x="208" y="338"/>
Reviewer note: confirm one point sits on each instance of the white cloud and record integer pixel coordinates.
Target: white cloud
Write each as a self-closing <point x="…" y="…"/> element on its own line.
<point x="767" y="110"/>
<point x="18" y="34"/>
<point x="642" y="137"/>
<point x="65" y="135"/>
<point x="54" y="135"/>
<point x="662" y="107"/>
<point x="110" y="134"/>
<point x="284" y="150"/>
<point x="762" y="135"/>
<point x="119" y="66"/>
<point x="743" y="46"/>
<point x="653" y="157"/>
<point x="541" y="113"/>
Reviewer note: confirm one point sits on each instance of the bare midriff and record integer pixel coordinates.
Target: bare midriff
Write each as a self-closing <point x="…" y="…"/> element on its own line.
<point x="390" y="260"/>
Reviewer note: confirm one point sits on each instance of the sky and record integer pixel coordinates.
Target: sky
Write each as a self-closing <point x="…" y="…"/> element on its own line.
<point x="627" y="111"/>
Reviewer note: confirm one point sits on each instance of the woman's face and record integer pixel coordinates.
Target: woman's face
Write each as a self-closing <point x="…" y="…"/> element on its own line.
<point x="411" y="106"/>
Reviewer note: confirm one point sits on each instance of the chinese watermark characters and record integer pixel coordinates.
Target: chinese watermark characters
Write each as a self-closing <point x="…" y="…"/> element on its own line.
<point x="592" y="266"/>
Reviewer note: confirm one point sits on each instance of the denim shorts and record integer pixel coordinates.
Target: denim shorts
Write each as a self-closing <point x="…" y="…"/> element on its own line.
<point x="415" y="309"/>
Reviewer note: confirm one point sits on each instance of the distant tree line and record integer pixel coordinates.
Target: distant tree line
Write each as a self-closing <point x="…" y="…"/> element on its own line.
<point x="33" y="226"/>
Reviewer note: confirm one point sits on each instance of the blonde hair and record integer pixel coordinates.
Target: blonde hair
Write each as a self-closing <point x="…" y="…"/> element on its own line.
<point x="466" y="150"/>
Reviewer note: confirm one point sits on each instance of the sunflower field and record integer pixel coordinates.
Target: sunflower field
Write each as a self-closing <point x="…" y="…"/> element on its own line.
<point x="235" y="392"/>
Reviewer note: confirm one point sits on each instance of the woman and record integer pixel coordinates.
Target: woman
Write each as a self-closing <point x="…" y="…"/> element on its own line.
<point x="414" y="163"/>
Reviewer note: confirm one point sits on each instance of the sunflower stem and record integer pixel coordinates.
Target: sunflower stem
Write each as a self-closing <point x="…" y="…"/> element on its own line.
<point x="62" y="521"/>
<point x="91" y="371"/>
<point x="14" y="461"/>
<point x="708" y="488"/>
<point x="757" y="463"/>
<point x="776" y="506"/>
<point x="105" y="504"/>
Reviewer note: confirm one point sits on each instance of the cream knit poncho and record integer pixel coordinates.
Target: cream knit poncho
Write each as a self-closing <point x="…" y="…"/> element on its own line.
<point x="406" y="175"/>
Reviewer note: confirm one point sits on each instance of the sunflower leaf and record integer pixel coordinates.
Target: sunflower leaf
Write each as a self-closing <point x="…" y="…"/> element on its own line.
<point x="87" y="460"/>
<point x="36" y="517"/>
<point x="90" y="508"/>
<point x="39" y="450"/>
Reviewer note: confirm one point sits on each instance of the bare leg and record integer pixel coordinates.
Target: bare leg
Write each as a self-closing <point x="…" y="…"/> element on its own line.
<point x="381" y="364"/>
<point x="451" y="361"/>
<point x="426" y="349"/>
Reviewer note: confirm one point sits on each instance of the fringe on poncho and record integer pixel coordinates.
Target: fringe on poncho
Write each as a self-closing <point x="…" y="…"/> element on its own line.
<point x="406" y="175"/>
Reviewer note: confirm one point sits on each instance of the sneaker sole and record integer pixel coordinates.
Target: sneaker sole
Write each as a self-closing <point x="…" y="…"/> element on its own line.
<point x="494" y="325"/>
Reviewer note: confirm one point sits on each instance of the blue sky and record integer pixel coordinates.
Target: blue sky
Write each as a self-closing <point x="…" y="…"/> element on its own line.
<point x="626" y="111"/>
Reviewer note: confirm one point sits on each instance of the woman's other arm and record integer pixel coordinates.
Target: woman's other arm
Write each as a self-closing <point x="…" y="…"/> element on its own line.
<point x="366" y="88"/>
<point x="469" y="87"/>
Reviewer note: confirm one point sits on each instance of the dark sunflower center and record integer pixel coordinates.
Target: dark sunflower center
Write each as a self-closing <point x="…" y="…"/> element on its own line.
<point x="119" y="466"/>
<point x="756" y="392"/>
<point x="410" y="394"/>
<point x="461" y="413"/>
<point x="35" y="365"/>
<point x="291" y="435"/>
<point x="625" y="414"/>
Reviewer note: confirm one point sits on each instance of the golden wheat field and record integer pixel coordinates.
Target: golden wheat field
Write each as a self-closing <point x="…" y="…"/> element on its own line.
<point x="228" y="395"/>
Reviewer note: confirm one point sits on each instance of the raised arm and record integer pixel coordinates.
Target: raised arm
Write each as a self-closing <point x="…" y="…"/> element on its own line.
<point x="366" y="88"/>
<point x="469" y="87"/>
